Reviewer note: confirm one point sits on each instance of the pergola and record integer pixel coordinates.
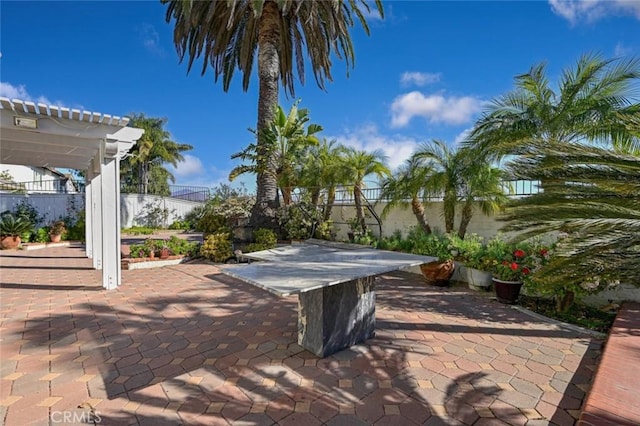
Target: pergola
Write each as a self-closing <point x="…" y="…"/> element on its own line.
<point x="52" y="136"/>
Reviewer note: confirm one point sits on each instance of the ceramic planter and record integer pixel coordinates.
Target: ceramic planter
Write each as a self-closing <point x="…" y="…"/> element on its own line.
<point x="507" y="291"/>
<point x="477" y="278"/>
<point x="438" y="273"/>
<point x="10" y="242"/>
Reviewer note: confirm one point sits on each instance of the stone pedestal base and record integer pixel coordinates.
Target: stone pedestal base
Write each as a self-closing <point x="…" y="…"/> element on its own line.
<point x="336" y="317"/>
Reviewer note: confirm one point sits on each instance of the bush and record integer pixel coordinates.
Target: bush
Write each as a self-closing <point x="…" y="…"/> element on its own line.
<point x="40" y="236"/>
<point x="222" y="216"/>
<point x="217" y="247"/>
<point x="180" y="225"/>
<point x="76" y="232"/>
<point x="300" y="220"/>
<point x="266" y="237"/>
<point x="138" y="230"/>
<point x="14" y="226"/>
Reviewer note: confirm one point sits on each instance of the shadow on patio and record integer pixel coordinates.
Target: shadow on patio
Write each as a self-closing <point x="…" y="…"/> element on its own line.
<point x="185" y="345"/>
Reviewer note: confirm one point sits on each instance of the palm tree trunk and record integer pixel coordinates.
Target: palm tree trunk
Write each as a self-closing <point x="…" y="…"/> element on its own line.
<point x="357" y="196"/>
<point x="315" y="196"/>
<point x="449" y="202"/>
<point x="286" y="195"/>
<point x="418" y="211"/>
<point x="264" y="210"/>
<point x="467" y="213"/>
<point x="331" y="198"/>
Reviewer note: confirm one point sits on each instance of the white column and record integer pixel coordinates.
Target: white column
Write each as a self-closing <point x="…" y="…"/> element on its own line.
<point x="111" y="223"/>
<point x="96" y="222"/>
<point x="88" y="216"/>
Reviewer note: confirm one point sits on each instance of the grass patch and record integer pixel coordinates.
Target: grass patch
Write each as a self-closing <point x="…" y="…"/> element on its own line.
<point x="138" y="230"/>
<point x="579" y="314"/>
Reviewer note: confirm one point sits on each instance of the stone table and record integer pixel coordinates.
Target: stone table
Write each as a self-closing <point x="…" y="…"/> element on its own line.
<point x="335" y="284"/>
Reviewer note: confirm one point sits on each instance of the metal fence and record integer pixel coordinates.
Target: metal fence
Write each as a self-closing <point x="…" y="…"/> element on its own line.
<point x="513" y="188"/>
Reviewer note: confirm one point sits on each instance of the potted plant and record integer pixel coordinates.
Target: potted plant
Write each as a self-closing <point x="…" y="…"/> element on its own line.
<point x="439" y="271"/>
<point x="56" y="230"/>
<point x="514" y="264"/>
<point x="474" y="260"/>
<point x="11" y="227"/>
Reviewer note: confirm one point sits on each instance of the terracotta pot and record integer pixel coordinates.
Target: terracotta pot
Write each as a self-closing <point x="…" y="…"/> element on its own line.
<point x="10" y="242"/>
<point x="164" y="253"/>
<point x="507" y="291"/>
<point x="55" y="238"/>
<point x="438" y="273"/>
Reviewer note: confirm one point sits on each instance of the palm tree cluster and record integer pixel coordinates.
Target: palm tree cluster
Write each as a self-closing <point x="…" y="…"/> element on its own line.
<point x="305" y="163"/>
<point x="457" y="176"/>
<point x="144" y="169"/>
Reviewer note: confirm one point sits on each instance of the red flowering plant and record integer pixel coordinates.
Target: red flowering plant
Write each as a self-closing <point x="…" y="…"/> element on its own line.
<point x="516" y="262"/>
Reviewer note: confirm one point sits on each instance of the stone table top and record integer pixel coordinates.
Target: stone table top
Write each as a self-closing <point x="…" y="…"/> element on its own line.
<point x="299" y="268"/>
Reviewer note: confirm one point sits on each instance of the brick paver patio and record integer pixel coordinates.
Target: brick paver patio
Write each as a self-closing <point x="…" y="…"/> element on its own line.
<point x="186" y="345"/>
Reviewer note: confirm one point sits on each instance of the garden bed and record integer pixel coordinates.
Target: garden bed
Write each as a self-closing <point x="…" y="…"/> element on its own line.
<point x="148" y="262"/>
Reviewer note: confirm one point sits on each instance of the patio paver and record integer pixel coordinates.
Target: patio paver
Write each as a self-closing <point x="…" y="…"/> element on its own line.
<point x="187" y="345"/>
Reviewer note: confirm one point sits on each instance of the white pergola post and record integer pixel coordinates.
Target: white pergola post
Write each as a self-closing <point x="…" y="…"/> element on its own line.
<point x="88" y="215"/>
<point x="96" y="221"/>
<point x="110" y="223"/>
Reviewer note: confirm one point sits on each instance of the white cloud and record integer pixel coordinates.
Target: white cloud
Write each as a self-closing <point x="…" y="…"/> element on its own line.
<point x="434" y="108"/>
<point x="8" y="90"/>
<point x="576" y="11"/>
<point x="622" y="50"/>
<point x="419" y="78"/>
<point x="397" y="148"/>
<point x="151" y="39"/>
<point x="191" y="165"/>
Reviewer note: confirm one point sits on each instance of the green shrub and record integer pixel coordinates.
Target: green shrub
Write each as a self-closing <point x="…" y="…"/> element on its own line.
<point x="76" y="232"/>
<point x="179" y="246"/>
<point x="299" y="221"/>
<point x="219" y="216"/>
<point x="40" y="236"/>
<point x="180" y="224"/>
<point x="139" y="250"/>
<point x="217" y="247"/>
<point x="138" y="230"/>
<point x="266" y="237"/>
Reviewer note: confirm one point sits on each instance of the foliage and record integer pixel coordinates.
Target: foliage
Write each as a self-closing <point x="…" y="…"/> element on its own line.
<point x="287" y="140"/>
<point x="26" y="210"/>
<point x="471" y="251"/>
<point x="138" y="230"/>
<point x="40" y="236"/>
<point x="366" y="239"/>
<point x="406" y="187"/>
<point x="434" y="244"/>
<point x="516" y="262"/>
<point x="14" y="226"/>
<point x="217" y="247"/>
<point x="140" y="250"/>
<point x="578" y="314"/>
<point x="180" y="225"/>
<point x="591" y="200"/>
<point x="144" y="170"/>
<point x="461" y="177"/>
<point x="266" y="237"/>
<point x="177" y="246"/>
<point x="300" y="220"/>
<point x="153" y="215"/>
<point x="357" y="165"/>
<point x="57" y="228"/>
<point x="325" y="231"/>
<point x="595" y="101"/>
<point x="223" y="215"/>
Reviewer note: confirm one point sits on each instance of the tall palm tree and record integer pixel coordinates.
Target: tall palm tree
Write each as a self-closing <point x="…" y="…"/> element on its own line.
<point x="358" y="164"/>
<point x="154" y="150"/>
<point x="322" y="171"/>
<point x="593" y="102"/>
<point x="228" y="34"/>
<point x="407" y="183"/>
<point x="289" y="136"/>
<point x="595" y="200"/>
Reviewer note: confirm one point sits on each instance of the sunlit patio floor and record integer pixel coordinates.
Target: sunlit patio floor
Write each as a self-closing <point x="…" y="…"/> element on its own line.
<point x="187" y="345"/>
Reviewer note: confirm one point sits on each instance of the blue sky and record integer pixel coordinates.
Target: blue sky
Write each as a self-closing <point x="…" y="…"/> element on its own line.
<point x="424" y="73"/>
